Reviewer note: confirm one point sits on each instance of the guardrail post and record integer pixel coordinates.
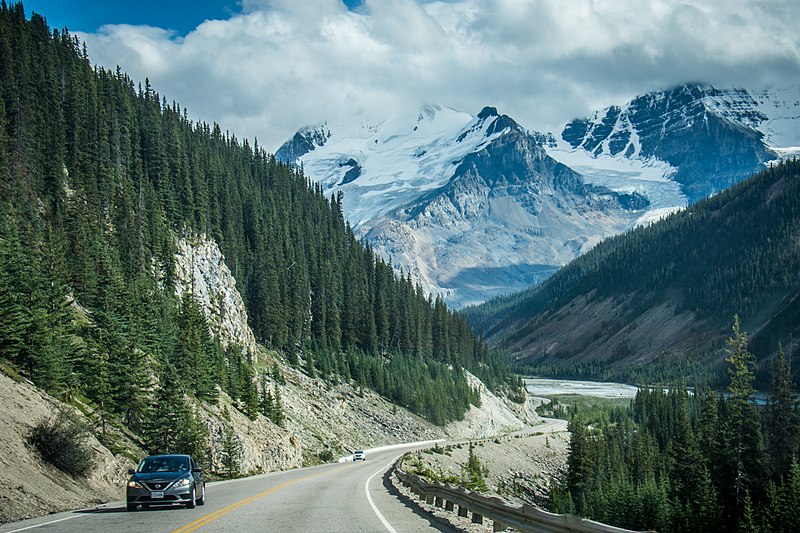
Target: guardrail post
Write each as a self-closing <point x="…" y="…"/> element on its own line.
<point x="462" y="511"/>
<point x="477" y="518"/>
<point x="449" y="506"/>
<point x="439" y="502"/>
<point x="429" y="498"/>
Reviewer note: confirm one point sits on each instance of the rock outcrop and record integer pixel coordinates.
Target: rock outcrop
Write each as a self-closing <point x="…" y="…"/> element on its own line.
<point x="201" y="271"/>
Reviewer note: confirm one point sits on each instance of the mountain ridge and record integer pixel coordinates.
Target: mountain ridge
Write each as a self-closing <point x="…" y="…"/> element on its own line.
<point x="713" y="137"/>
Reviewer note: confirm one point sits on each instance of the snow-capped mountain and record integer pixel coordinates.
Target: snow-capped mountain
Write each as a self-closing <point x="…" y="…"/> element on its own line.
<point x="712" y="138"/>
<point x="476" y="206"/>
<point x="472" y="206"/>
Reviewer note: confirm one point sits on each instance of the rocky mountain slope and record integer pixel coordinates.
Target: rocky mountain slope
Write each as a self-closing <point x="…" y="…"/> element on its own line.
<point x="711" y="137"/>
<point x="475" y="207"/>
<point x="470" y="206"/>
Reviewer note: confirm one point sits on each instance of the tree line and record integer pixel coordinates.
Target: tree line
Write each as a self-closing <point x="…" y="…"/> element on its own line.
<point x="100" y="175"/>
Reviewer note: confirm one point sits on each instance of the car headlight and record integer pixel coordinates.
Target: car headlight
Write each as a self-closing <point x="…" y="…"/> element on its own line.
<point x="134" y="484"/>
<point x="183" y="482"/>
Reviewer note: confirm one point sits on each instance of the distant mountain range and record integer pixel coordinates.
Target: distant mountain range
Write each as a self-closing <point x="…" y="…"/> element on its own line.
<point x="478" y="206"/>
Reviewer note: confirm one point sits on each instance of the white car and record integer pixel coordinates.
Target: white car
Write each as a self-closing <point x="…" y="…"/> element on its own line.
<point x="359" y="455"/>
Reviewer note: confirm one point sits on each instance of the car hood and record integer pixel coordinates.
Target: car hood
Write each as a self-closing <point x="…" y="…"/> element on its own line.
<point x="159" y="476"/>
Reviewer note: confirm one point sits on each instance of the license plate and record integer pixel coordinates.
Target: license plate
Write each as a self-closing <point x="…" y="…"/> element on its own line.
<point x="155" y="495"/>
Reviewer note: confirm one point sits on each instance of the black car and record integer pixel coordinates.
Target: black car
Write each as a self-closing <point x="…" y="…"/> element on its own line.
<point x="164" y="480"/>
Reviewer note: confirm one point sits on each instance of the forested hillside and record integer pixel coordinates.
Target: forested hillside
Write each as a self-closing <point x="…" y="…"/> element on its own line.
<point x="666" y="293"/>
<point x="99" y="175"/>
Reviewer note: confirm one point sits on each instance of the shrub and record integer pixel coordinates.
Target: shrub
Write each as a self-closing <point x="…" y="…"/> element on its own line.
<point x="61" y="440"/>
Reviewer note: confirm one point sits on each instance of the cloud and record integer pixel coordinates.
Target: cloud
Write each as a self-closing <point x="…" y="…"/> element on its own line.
<point x="281" y="64"/>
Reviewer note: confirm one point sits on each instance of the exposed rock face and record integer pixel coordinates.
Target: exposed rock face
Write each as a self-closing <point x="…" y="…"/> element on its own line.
<point x="495" y="416"/>
<point x="710" y="135"/>
<point x="303" y="142"/>
<point x="201" y="271"/>
<point x="265" y="447"/>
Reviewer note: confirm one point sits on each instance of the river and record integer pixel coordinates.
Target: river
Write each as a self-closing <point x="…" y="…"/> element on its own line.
<point x="546" y="388"/>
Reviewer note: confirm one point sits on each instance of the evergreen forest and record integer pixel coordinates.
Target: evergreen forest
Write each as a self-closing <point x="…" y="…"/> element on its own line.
<point x="100" y="175"/>
<point x="691" y="461"/>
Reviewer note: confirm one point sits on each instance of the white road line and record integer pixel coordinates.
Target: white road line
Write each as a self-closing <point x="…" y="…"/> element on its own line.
<point x="385" y="522"/>
<point x="47" y="523"/>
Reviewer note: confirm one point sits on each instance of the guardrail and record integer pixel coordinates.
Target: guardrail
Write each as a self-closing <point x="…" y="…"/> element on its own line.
<point x="526" y="518"/>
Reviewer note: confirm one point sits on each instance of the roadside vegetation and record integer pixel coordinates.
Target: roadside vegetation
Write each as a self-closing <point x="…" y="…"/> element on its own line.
<point x="61" y="440"/>
<point x="473" y="471"/>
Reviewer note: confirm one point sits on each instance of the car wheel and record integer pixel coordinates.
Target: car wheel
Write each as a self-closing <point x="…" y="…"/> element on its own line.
<point x="131" y="506"/>
<point x="190" y="501"/>
<point x="202" y="499"/>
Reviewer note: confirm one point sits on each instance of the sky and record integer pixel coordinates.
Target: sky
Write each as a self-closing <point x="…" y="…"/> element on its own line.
<point x="264" y="68"/>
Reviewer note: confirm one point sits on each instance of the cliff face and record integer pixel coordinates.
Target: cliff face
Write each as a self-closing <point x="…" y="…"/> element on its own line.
<point x="201" y="271"/>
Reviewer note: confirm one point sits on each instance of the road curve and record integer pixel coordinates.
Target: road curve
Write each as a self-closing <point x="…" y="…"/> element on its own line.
<point x="342" y="497"/>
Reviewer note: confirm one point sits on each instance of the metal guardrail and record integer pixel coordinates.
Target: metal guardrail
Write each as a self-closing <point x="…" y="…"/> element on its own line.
<point x="526" y="518"/>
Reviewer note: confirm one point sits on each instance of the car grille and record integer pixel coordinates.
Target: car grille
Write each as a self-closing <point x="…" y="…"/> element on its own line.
<point x="157" y="485"/>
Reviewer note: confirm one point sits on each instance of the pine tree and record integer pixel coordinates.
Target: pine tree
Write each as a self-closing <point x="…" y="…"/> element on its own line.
<point x="782" y="417"/>
<point x="474" y="474"/>
<point x="743" y="416"/>
<point x="579" y="461"/>
<point x="231" y="448"/>
<point x="277" y="414"/>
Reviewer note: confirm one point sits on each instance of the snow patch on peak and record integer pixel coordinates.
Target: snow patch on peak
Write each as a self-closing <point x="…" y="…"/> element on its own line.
<point x="398" y="158"/>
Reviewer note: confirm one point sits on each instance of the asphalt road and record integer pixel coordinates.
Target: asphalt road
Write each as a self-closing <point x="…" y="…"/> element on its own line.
<point x="342" y="497"/>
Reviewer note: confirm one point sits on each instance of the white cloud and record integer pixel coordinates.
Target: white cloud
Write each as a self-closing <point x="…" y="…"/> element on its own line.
<point x="281" y="64"/>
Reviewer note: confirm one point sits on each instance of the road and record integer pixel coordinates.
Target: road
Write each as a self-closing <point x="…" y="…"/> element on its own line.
<point x="342" y="497"/>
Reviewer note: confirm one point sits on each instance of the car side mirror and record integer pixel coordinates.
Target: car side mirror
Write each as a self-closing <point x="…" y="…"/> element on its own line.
<point x="197" y="470"/>
<point x="131" y="471"/>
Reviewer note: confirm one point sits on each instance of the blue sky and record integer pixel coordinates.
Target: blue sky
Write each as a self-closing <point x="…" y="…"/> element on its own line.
<point x="182" y="16"/>
<point x="264" y="68"/>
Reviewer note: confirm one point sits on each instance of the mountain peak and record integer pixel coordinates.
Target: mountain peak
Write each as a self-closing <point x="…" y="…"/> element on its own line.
<point x="487" y="112"/>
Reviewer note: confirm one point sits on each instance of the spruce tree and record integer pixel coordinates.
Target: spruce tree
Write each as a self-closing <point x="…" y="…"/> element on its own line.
<point x="231" y="448"/>
<point x="782" y="417"/>
<point x="743" y="415"/>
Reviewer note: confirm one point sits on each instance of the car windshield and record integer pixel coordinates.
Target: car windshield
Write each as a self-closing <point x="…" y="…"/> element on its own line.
<point x="163" y="464"/>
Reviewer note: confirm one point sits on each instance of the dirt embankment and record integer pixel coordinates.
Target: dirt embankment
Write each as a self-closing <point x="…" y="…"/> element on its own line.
<point x="519" y="467"/>
<point x="31" y="487"/>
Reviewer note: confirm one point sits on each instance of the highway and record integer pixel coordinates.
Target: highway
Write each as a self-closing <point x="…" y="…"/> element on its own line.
<point x="331" y="498"/>
<point x="341" y="497"/>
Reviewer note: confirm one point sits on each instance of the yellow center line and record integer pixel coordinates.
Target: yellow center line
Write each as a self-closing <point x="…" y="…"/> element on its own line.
<point x="207" y="519"/>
